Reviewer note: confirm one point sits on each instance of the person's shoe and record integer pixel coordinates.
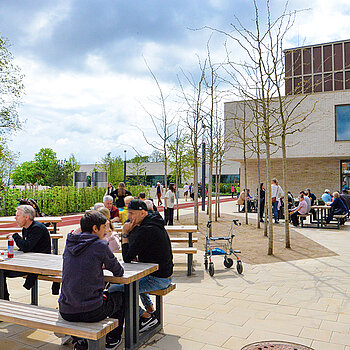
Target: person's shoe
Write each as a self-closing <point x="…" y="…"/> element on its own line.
<point x="80" y="344"/>
<point x="277" y="222"/>
<point x="261" y="220"/>
<point x="147" y="323"/>
<point x="112" y="343"/>
<point x="67" y="339"/>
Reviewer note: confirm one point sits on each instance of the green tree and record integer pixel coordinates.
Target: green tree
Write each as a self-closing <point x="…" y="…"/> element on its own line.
<point x="137" y="168"/>
<point x="46" y="164"/>
<point x="25" y="173"/>
<point x="11" y="90"/>
<point x="114" y="166"/>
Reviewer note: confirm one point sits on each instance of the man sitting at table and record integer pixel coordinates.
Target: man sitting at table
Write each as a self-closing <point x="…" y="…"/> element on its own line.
<point x="337" y="208"/>
<point x="108" y="203"/>
<point x="326" y="197"/>
<point x="82" y="300"/>
<point x="150" y="244"/>
<point x="301" y="209"/>
<point x="35" y="239"/>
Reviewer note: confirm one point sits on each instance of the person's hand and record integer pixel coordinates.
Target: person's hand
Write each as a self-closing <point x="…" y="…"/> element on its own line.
<point x="116" y="219"/>
<point x="128" y="226"/>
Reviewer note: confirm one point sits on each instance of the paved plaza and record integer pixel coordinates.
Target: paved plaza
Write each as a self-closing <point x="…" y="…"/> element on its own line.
<point x="304" y="301"/>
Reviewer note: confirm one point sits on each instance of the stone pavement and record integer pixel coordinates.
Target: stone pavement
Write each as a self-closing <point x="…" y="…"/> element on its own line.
<point x="304" y="301"/>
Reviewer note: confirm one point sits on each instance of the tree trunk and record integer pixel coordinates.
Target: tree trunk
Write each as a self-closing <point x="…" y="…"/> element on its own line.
<point x="285" y="188"/>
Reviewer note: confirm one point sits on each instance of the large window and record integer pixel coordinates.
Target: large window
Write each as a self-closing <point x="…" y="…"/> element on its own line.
<point x="342" y="115"/>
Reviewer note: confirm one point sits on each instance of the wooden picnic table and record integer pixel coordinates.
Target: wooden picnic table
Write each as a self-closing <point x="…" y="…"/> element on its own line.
<point x="51" y="265"/>
<point x="321" y="211"/>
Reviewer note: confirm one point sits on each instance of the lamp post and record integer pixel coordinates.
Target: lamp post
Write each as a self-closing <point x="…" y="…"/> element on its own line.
<point x="203" y="170"/>
<point x="125" y="166"/>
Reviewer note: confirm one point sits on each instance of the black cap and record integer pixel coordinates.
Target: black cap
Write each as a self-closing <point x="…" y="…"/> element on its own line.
<point x="137" y="204"/>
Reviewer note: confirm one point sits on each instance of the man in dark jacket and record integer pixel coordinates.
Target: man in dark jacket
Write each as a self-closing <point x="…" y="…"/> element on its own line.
<point x="149" y="243"/>
<point x="82" y="298"/>
<point x="35" y="239"/>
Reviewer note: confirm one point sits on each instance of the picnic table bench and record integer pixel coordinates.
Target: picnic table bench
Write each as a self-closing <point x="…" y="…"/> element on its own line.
<point x="33" y="316"/>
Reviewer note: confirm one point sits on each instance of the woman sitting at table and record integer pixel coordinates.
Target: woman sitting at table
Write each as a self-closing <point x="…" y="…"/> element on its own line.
<point x="337" y="207"/>
<point x="301" y="209"/>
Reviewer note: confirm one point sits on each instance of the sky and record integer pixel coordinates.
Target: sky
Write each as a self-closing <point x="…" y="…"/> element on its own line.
<point x="86" y="82"/>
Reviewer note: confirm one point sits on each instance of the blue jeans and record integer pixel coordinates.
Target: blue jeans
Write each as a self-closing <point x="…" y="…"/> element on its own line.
<point x="274" y="210"/>
<point x="146" y="284"/>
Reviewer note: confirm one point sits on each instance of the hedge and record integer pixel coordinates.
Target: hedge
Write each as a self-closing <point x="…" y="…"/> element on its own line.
<point x="58" y="200"/>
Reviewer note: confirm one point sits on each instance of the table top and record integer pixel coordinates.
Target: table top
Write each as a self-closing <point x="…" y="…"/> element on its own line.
<point x="320" y="206"/>
<point x="169" y="229"/>
<point x="51" y="265"/>
<point x="44" y="219"/>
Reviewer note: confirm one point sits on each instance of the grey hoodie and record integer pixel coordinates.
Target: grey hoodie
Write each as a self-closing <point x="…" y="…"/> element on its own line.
<point x="82" y="275"/>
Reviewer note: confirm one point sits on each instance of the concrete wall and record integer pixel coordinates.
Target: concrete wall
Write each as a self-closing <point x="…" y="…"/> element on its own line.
<point x="317" y="140"/>
<point x="314" y="173"/>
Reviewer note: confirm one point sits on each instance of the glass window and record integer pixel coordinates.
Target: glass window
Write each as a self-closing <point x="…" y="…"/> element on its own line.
<point x="342" y="123"/>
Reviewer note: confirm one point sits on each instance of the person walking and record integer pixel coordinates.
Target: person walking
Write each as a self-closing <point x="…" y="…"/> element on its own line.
<point x="159" y="189"/>
<point x="169" y="202"/>
<point x="276" y="194"/>
<point x="233" y="190"/>
<point x="262" y="201"/>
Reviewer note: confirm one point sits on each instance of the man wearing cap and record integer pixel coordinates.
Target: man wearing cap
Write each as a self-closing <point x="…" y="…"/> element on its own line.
<point x="326" y="197"/>
<point x="150" y="243"/>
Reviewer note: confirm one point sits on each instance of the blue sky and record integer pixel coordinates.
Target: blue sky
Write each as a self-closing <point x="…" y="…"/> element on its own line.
<point x="83" y="60"/>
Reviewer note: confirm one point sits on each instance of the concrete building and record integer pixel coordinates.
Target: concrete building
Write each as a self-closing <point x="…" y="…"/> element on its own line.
<point x="154" y="172"/>
<point x="319" y="156"/>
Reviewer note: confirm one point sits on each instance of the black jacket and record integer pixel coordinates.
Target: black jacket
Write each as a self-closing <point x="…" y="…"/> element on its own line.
<point x="36" y="239"/>
<point x="119" y="200"/>
<point x="150" y="243"/>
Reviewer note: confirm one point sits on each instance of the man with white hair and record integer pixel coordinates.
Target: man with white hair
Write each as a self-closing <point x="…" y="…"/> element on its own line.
<point x="35" y="238"/>
<point x="108" y="203"/>
<point x="326" y="197"/>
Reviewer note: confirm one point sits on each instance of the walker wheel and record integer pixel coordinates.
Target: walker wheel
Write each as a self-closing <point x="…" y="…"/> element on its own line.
<point x="211" y="269"/>
<point x="206" y="264"/>
<point x="239" y="266"/>
<point x="228" y="262"/>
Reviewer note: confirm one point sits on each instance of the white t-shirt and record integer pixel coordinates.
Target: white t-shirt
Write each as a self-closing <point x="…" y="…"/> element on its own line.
<point x="186" y="187"/>
<point x="170" y="199"/>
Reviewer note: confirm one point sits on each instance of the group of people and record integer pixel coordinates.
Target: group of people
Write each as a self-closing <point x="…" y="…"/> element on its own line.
<point x="88" y="250"/>
<point x="339" y="203"/>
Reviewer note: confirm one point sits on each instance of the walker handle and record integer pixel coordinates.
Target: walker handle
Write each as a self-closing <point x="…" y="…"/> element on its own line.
<point x="236" y="222"/>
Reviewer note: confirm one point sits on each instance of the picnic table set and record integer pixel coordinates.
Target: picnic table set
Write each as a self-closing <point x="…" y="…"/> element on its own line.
<point x="49" y="267"/>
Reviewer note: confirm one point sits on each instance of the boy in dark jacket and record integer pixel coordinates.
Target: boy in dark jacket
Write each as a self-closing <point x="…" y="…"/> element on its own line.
<point x="82" y="298"/>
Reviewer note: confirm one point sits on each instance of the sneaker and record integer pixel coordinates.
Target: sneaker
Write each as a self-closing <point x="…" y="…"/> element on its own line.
<point x="80" y="344"/>
<point x="67" y="339"/>
<point x="147" y="323"/>
<point x="112" y="344"/>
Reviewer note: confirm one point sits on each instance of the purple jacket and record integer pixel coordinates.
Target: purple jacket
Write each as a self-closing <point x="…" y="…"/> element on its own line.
<point x="82" y="276"/>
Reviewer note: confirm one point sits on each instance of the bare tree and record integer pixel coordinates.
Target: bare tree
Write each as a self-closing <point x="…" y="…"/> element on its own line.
<point x="162" y="125"/>
<point x="194" y="121"/>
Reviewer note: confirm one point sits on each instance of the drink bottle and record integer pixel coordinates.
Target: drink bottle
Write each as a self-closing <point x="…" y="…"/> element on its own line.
<point x="10" y="248"/>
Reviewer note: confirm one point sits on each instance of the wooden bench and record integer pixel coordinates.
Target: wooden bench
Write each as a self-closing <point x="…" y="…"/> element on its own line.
<point x="304" y="216"/>
<point x="49" y="319"/>
<point x="182" y="239"/>
<point x="340" y="218"/>
<point x="19" y="229"/>
<point x="159" y="301"/>
<point x="189" y="251"/>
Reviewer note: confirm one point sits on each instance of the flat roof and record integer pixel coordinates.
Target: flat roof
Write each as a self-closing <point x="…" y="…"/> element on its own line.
<point x="306" y="46"/>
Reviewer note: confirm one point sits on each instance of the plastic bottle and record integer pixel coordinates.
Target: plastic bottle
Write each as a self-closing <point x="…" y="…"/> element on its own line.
<point x="10" y="248"/>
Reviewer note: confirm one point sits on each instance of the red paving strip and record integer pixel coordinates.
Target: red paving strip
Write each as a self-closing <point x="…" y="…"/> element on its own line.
<point x="75" y="219"/>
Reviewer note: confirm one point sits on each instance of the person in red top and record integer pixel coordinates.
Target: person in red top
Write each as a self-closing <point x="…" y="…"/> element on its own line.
<point x="108" y="203"/>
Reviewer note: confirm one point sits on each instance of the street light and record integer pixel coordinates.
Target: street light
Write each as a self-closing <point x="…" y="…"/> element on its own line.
<point x="203" y="170"/>
<point x="125" y="166"/>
